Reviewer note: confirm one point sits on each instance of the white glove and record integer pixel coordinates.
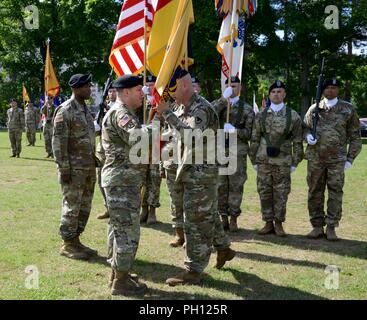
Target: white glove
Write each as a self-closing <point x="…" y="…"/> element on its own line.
<point x="145" y="90"/>
<point x="255" y="167"/>
<point x="347" y="165"/>
<point x="227" y="93"/>
<point x="293" y="168"/>
<point x="310" y="140"/>
<point x="146" y="126"/>
<point x="96" y="127"/>
<point x="228" y="128"/>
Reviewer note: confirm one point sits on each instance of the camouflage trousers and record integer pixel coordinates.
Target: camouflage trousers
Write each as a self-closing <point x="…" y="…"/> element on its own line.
<point x="99" y="181"/>
<point x="202" y="224"/>
<point x="15" y="137"/>
<point x="230" y="189"/>
<point x="175" y="191"/>
<point x="152" y="183"/>
<point x="31" y="135"/>
<point x="47" y="135"/>
<point x="318" y="177"/>
<point x="273" y="186"/>
<point x="77" y="202"/>
<point x="124" y="207"/>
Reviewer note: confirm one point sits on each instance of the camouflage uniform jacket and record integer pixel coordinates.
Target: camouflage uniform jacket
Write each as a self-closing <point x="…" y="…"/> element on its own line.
<point x="242" y="120"/>
<point x="48" y="112"/>
<point x="73" y="140"/>
<point x="198" y="115"/>
<point x="31" y="117"/>
<point x="118" y="170"/>
<point x="291" y="150"/>
<point x="15" y="119"/>
<point x="335" y="129"/>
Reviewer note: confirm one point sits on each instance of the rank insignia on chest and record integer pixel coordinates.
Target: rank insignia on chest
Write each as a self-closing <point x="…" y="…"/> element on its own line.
<point x="124" y="121"/>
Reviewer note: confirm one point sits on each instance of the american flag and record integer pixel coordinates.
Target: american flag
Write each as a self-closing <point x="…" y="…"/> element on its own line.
<point x="127" y="53"/>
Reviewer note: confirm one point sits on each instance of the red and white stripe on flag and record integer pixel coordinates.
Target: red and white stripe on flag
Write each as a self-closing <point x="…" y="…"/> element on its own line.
<point x="127" y="53"/>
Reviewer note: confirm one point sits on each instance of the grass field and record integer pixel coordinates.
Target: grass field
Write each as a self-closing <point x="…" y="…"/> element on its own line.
<point x="265" y="267"/>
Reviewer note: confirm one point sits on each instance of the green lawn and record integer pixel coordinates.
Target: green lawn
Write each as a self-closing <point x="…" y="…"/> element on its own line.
<point x="265" y="267"/>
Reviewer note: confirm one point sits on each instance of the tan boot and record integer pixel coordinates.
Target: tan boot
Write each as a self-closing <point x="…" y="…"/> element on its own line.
<point x="102" y="216"/>
<point x="186" y="277"/>
<point x="223" y="256"/>
<point x="144" y="214"/>
<point x="330" y="234"/>
<point x="225" y="222"/>
<point x="279" y="231"/>
<point x="267" y="229"/>
<point x="317" y="232"/>
<point x="179" y="239"/>
<point x="152" y="219"/>
<point x="86" y="249"/>
<point x="72" y="250"/>
<point x="233" y="224"/>
<point x="123" y="284"/>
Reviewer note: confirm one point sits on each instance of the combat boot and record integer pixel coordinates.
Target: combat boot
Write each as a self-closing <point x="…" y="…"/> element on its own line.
<point x="233" y="224"/>
<point x="317" y="232"/>
<point x="223" y="256"/>
<point x="225" y="222"/>
<point x="124" y="284"/>
<point x="71" y="249"/>
<point x="133" y="276"/>
<point x="186" y="277"/>
<point x="279" y="231"/>
<point x="330" y="234"/>
<point x="152" y="219"/>
<point x="179" y="239"/>
<point x="85" y="248"/>
<point x="267" y="229"/>
<point x="18" y="155"/>
<point x="13" y="156"/>
<point x="144" y="214"/>
<point x="102" y="216"/>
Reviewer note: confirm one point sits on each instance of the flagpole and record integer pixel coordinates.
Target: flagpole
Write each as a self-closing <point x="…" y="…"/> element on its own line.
<point x="230" y="70"/>
<point x="47" y="76"/>
<point x="145" y="64"/>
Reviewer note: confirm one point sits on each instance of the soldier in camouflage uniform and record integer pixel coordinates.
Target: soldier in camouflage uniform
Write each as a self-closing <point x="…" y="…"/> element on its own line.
<point x="48" y="110"/>
<point x="73" y="142"/>
<point x="199" y="185"/>
<point x="122" y="181"/>
<point x="31" y="115"/>
<point x="152" y="180"/>
<point x="230" y="188"/>
<point x="276" y="150"/>
<point x="15" y="124"/>
<point x="328" y="156"/>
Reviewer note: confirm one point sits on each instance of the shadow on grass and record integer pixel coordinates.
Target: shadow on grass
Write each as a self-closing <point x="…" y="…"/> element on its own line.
<point x="277" y="260"/>
<point x="343" y="247"/>
<point x="99" y="260"/>
<point x="364" y="140"/>
<point x="160" y="226"/>
<point x="38" y="159"/>
<point x="249" y="286"/>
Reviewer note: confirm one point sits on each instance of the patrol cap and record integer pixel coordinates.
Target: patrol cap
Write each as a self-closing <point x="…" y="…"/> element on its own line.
<point x="127" y="81"/>
<point x="151" y="78"/>
<point x="277" y="84"/>
<point x="234" y="80"/>
<point x="79" y="80"/>
<point x="12" y="100"/>
<point x="194" y="79"/>
<point x="331" y="82"/>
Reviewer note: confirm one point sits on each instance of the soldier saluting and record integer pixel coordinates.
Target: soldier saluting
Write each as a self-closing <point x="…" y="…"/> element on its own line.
<point x="276" y="150"/>
<point x="328" y="157"/>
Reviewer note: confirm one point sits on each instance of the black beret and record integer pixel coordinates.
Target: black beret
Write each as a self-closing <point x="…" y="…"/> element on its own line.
<point x="331" y="82"/>
<point x="234" y="80"/>
<point x="182" y="73"/>
<point x="12" y="100"/>
<point x="277" y="84"/>
<point x="127" y="81"/>
<point x="151" y="78"/>
<point x="195" y="79"/>
<point x="79" y="80"/>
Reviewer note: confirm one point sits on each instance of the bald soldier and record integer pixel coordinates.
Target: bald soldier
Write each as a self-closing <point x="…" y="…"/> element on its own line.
<point x="199" y="185"/>
<point x="15" y="124"/>
<point x="241" y="118"/>
<point x="122" y="181"/>
<point x="333" y="150"/>
<point x="276" y="150"/>
<point x="73" y="143"/>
